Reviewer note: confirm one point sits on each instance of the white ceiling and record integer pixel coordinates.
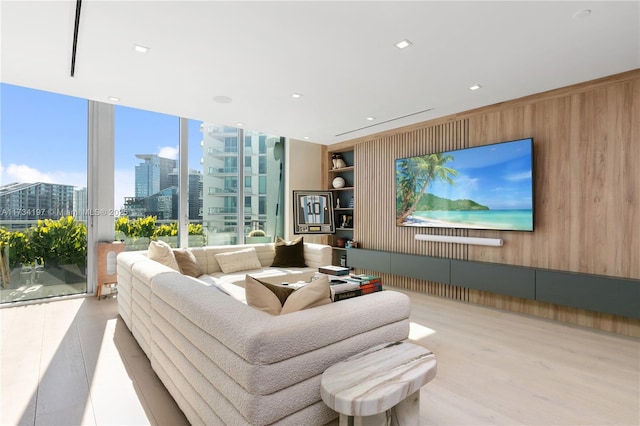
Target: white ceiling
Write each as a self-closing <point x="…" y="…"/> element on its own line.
<point x="339" y="55"/>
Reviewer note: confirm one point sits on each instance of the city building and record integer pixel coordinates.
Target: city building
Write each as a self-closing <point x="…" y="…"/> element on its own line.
<point x="259" y="193"/>
<point x="152" y="175"/>
<point x="194" y="200"/>
<point x="21" y="203"/>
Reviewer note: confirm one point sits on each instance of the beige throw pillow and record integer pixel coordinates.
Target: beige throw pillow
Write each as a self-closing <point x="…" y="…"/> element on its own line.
<point x="161" y="252"/>
<point x="241" y="260"/>
<point x="280" y="299"/>
<point x="264" y="296"/>
<point x="187" y="262"/>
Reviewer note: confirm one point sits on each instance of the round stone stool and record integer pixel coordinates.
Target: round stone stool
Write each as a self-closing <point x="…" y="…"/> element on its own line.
<point x="379" y="386"/>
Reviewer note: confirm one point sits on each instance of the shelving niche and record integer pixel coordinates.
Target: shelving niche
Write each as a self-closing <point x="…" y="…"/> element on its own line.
<point x="344" y="214"/>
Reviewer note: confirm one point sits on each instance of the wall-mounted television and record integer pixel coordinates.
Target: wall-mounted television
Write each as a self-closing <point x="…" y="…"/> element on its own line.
<point x="484" y="187"/>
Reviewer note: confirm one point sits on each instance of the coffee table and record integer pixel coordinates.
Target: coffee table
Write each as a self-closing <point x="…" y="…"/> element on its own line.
<point x="379" y="386"/>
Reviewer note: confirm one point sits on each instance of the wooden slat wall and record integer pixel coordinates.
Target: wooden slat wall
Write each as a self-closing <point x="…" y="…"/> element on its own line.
<point x="375" y="195"/>
<point x="587" y="190"/>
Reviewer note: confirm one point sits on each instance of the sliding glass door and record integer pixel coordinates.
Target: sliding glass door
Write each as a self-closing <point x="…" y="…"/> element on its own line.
<point x="43" y="194"/>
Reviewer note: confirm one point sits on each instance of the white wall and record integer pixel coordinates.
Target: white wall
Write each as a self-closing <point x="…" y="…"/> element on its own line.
<point x="303" y="171"/>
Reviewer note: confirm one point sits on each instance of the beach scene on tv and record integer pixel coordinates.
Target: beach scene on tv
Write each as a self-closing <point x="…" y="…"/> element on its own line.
<point x="485" y="187"/>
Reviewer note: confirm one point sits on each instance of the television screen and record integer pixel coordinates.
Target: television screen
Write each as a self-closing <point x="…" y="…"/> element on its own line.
<point x="484" y="187"/>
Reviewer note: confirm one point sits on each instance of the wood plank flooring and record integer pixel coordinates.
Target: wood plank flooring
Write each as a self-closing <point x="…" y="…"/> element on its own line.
<point x="74" y="362"/>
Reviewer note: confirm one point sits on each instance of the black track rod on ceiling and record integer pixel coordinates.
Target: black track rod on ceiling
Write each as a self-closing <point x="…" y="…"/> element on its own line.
<point x="75" y="37"/>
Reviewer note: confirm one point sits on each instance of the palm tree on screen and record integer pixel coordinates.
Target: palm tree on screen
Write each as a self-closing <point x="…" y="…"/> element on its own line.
<point x="414" y="175"/>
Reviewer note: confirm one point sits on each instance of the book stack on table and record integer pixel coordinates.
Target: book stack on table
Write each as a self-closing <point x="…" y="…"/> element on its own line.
<point x="333" y="270"/>
<point x="346" y="287"/>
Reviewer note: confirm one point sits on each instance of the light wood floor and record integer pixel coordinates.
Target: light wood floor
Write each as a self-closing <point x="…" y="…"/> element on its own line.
<point x="74" y="362"/>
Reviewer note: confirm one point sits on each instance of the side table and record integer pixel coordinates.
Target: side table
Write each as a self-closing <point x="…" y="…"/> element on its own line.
<point x="107" y="268"/>
<point x="379" y="386"/>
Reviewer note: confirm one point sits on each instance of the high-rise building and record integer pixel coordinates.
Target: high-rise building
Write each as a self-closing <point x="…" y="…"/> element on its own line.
<point x="252" y="183"/>
<point x="80" y="204"/>
<point x="33" y="201"/>
<point x="156" y="192"/>
<point x="152" y="176"/>
<point x="194" y="198"/>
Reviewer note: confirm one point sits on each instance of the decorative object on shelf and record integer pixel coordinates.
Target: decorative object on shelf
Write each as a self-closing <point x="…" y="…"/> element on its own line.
<point x="341" y="242"/>
<point x="345" y="221"/>
<point x="343" y="261"/>
<point x="338" y="182"/>
<point x="337" y="203"/>
<point x="313" y="212"/>
<point x="337" y="161"/>
<point x="349" y="244"/>
<point x="351" y="203"/>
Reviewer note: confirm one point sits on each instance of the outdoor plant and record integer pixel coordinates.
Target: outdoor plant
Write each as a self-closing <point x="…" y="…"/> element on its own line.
<point x="124" y="225"/>
<point x="59" y="242"/>
<point x="195" y="229"/>
<point x="257" y="233"/>
<point x="20" y="251"/>
<point x="166" y="230"/>
<point x="145" y="226"/>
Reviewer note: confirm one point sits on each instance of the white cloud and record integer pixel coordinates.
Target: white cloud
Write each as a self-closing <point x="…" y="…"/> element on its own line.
<point x="170" y="152"/>
<point x="23" y="173"/>
<point x="519" y="176"/>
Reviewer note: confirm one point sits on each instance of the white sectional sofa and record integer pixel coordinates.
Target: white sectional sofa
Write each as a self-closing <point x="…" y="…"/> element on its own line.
<point x="225" y="362"/>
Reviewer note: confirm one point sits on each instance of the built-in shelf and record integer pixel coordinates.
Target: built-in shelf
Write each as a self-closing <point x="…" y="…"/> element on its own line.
<point x="342" y="169"/>
<point x="346" y="209"/>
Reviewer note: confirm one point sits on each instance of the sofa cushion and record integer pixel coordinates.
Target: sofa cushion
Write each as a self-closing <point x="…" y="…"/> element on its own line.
<point x="316" y="293"/>
<point x="278" y="299"/>
<point x="161" y="252"/>
<point x="187" y="262"/>
<point x="289" y="254"/>
<point x="241" y="260"/>
<point x="264" y="296"/>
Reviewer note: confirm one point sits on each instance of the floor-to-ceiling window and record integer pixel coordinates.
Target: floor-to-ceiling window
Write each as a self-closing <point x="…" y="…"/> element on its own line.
<point x="146" y="177"/>
<point x="241" y="183"/>
<point x="43" y="194"/>
<point x="233" y="191"/>
<point x="234" y="181"/>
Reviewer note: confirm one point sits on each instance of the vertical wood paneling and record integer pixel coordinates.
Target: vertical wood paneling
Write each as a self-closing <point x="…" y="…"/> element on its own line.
<point x="587" y="190"/>
<point x="375" y="199"/>
<point x="586" y="182"/>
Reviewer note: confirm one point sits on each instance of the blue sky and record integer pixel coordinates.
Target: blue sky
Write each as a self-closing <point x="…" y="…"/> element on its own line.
<point x="43" y="137"/>
<point x="498" y="176"/>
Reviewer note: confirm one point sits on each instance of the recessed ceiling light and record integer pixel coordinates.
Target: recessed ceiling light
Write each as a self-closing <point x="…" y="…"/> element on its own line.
<point x="140" y="49"/>
<point x="403" y="44"/>
<point x="296" y="95"/>
<point x="582" y="14"/>
<point x="222" y="99"/>
<point x="114" y="99"/>
<point x="370" y="118"/>
<point x="306" y="137"/>
<point x="475" y="87"/>
<point x="239" y="124"/>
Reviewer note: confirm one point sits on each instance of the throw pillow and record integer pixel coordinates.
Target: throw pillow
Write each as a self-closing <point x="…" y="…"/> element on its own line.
<point x="161" y="252"/>
<point x="187" y="262"/>
<point x="289" y="254"/>
<point x="264" y="296"/>
<point x="241" y="260"/>
<point x="316" y="293"/>
<point x="280" y="300"/>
